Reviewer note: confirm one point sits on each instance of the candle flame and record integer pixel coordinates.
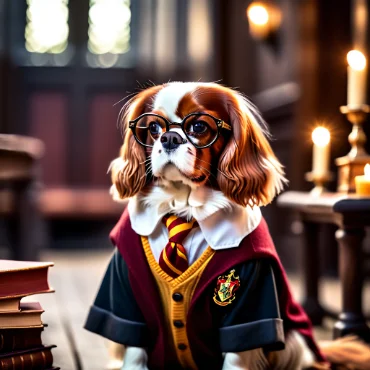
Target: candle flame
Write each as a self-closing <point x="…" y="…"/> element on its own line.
<point x="367" y="171"/>
<point x="356" y="60"/>
<point x="258" y="14"/>
<point x="321" y="136"/>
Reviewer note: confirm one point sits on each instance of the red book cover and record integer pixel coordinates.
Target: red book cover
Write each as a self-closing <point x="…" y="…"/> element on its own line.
<point x="35" y="359"/>
<point x="21" y="278"/>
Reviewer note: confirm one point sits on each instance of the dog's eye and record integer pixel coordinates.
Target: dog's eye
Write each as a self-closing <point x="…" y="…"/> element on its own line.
<point x="155" y="128"/>
<point x="199" y="127"/>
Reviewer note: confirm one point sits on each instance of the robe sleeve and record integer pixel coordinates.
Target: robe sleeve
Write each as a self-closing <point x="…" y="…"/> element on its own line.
<point x="115" y="314"/>
<point x="254" y="319"/>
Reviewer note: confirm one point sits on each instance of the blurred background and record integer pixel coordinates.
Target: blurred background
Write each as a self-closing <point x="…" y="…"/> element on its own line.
<point x="66" y="68"/>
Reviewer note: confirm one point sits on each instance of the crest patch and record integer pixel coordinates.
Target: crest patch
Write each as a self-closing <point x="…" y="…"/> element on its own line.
<point x="226" y="287"/>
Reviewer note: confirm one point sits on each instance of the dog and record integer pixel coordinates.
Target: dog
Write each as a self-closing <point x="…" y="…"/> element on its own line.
<point x="200" y="153"/>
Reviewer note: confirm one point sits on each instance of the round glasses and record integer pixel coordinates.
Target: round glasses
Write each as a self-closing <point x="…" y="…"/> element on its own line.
<point x="201" y="129"/>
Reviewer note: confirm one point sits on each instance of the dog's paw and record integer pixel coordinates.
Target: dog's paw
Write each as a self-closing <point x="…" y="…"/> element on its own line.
<point x="114" y="365"/>
<point x="133" y="367"/>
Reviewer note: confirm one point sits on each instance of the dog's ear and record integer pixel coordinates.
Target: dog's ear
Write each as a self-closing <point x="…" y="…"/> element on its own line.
<point x="249" y="173"/>
<point x="128" y="170"/>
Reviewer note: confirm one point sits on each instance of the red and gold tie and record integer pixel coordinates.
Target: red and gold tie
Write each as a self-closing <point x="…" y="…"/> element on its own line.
<point x="173" y="259"/>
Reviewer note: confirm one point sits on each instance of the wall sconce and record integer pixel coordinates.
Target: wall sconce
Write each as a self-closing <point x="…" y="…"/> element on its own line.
<point x="264" y="19"/>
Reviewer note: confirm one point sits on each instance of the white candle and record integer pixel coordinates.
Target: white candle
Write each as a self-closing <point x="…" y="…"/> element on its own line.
<point x="321" y="151"/>
<point x="357" y="75"/>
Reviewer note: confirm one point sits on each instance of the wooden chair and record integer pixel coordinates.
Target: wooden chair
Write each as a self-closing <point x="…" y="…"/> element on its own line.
<point x="19" y="177"/>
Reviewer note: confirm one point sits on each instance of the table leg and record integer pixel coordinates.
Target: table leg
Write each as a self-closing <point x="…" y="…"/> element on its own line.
<point x="25" y="245"/>
<point x="351" y="319"/>
<point x="311" y="273"/>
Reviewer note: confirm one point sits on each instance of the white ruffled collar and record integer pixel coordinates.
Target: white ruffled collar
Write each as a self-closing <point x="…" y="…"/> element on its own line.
<point x="223" y="223"/>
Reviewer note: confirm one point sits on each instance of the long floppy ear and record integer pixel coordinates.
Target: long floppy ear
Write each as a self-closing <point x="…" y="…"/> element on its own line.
<point x="128" y="170"/>
<point x="249" y="173"/>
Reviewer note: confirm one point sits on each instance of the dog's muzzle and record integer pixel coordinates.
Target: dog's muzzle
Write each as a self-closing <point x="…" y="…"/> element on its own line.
<point x="171" y="140"/>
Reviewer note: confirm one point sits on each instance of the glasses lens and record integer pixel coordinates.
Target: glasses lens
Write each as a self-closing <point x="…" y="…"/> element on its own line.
<point x="149" y="128"/>
<point x="201" y="130"/>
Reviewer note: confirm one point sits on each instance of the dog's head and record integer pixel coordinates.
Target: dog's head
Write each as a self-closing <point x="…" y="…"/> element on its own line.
<point x="198" y="134"/>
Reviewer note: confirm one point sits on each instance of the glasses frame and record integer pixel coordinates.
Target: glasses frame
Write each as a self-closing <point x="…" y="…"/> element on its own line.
<point x="219" y="123"/>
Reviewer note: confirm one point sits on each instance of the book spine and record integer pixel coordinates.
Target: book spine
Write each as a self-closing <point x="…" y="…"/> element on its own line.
<point x="30" y="361"/>
<point x="14" y="342"/>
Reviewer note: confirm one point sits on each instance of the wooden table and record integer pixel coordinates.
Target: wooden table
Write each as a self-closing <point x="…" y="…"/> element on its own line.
<point x="19" y="174"/>
<point x="352" y="214"/>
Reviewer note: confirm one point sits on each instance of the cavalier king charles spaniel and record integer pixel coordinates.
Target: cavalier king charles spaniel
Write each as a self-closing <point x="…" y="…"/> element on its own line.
<point x="192" y="149"/>
<point x="199" y="135"/>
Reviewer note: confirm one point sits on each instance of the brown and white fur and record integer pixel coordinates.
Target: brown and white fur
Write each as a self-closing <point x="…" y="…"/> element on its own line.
<point x="240" y="167"/>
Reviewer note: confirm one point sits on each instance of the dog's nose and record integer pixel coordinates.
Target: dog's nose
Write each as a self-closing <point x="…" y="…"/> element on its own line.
<point x="171" y="140"/>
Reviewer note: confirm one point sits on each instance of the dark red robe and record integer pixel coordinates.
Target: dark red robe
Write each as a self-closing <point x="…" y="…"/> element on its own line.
<point x="204" y="344"/>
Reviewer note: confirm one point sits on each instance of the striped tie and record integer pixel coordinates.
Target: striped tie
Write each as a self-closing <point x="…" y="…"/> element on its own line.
<point x="173" y="259"/>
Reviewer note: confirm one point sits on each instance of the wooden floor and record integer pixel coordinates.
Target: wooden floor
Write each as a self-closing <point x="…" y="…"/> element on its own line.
<point x="76" y="277"/>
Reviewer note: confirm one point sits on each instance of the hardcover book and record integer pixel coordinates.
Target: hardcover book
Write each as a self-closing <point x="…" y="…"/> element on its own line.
<point x="20" y="339"/>
<point x="28" y="316"/>
<point x="10" y="304"/>
<point x="35" y="359"/>
<point x="21" y="278"/>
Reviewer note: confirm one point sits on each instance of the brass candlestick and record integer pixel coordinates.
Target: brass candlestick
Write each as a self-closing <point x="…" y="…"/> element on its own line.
<point x="320" y="181"/>
<point x="353" y="163"/>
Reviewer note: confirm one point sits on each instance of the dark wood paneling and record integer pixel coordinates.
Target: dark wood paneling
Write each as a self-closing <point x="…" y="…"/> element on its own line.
<point x="48" y="121"/>
<point x="323" y="78"/>
<point x="277" y="63"/>
<point x="3" y="66"/>
<point x="238" y="53"/>
<point x="104" y="139"/>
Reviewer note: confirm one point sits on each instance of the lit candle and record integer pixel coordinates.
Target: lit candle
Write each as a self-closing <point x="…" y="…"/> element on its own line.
<point x="363" y="182"/>
<point x="357" y="74"/>
<point x="321" y="151"/>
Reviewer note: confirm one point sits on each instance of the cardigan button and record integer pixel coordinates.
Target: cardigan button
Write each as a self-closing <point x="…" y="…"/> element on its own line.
<point x="177" y="297"/>
<point x="178" y="324"/>
<point x="182" y="346"/>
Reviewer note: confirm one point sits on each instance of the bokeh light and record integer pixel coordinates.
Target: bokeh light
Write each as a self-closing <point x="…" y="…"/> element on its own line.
<point x="109" y="26"/>
<point x="258" y="14"/>
<point x="47" y="26"/>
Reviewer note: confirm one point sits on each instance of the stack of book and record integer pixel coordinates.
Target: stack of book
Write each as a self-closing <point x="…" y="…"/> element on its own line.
<point x="21" y="326"/>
